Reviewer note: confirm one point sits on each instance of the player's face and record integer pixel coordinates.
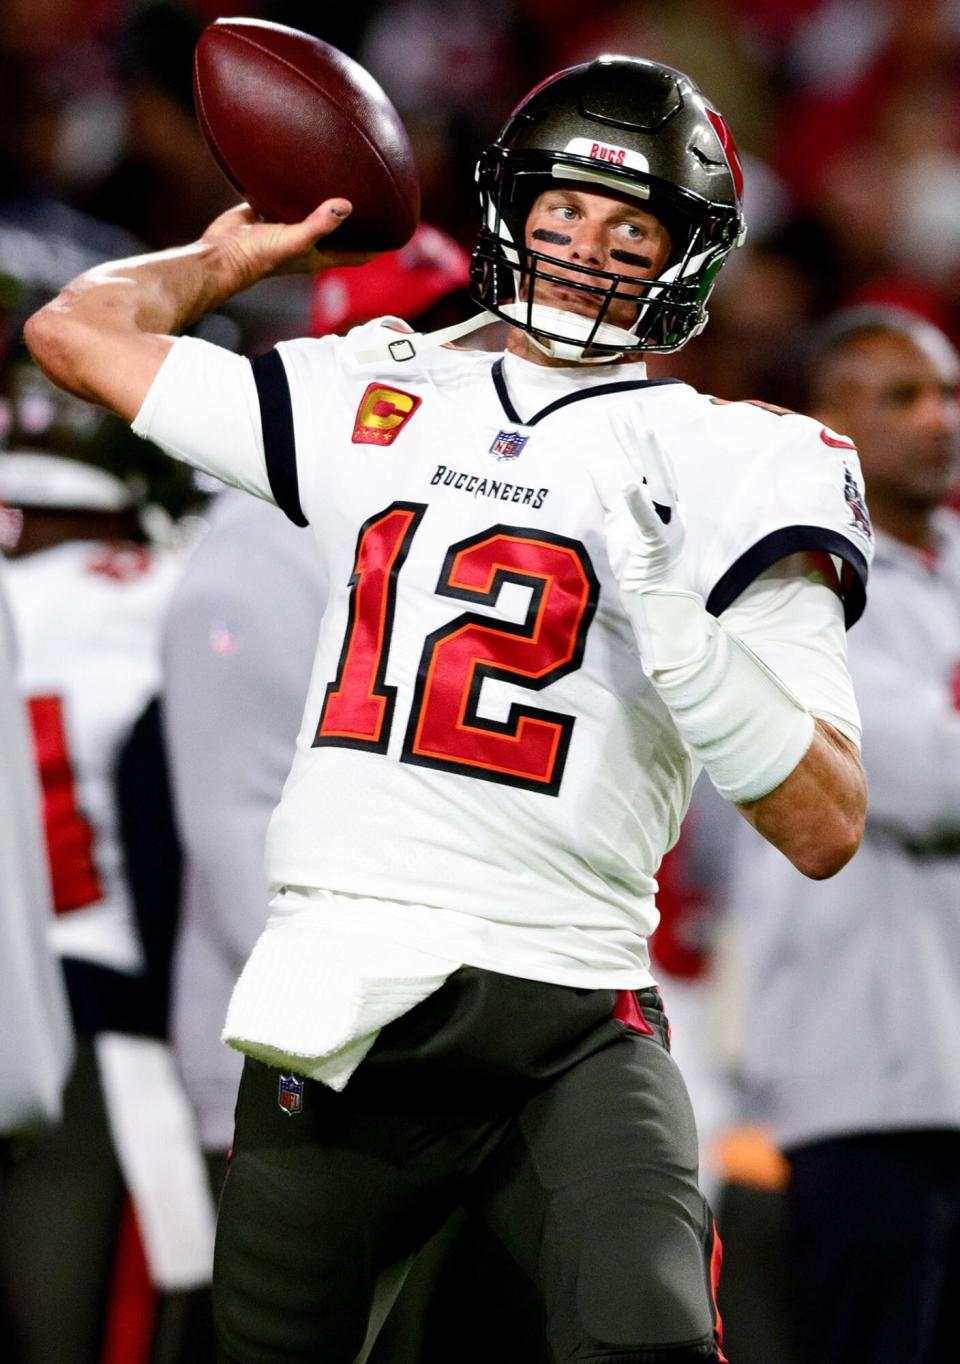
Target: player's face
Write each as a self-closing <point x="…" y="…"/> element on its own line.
<point x="602" y="232"/>
<point x="900" y="407"/>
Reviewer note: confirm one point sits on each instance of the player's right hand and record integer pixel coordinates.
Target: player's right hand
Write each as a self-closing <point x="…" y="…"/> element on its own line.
<point x="254" y="249"/>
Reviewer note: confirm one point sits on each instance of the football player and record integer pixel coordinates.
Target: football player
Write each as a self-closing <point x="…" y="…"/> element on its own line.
<point x="558" y="589"/>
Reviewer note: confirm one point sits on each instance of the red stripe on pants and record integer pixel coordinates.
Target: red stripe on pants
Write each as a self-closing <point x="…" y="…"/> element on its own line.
<point x="628" y="1012"/>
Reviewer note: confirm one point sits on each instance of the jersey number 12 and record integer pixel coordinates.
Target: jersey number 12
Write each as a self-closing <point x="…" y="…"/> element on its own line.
<point x="444" y="729"/>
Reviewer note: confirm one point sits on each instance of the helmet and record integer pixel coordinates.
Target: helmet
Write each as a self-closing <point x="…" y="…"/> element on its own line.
<point x="615" y="124"/>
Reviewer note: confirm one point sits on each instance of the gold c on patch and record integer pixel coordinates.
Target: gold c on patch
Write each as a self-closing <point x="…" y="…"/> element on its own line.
<point x="382" y="415"/>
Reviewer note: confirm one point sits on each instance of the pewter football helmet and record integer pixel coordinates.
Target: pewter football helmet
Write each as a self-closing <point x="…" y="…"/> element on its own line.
<point x="615" y="124"/>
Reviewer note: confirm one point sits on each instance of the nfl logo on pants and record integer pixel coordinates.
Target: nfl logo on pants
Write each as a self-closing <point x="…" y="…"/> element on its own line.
<point x="290" y="1094"/>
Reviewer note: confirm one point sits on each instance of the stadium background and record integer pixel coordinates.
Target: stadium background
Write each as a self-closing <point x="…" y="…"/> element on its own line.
<point x="847" y="112"/>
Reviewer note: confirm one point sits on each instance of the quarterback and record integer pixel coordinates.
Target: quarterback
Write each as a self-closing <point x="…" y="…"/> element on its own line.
<point x="558" y="590"/>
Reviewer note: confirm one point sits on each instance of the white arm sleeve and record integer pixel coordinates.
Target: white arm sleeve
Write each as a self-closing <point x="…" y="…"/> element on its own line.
<point x="794" y="623"/>
<point x="202" y="408"/>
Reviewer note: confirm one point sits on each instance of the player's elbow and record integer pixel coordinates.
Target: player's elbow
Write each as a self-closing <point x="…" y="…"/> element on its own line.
<point x="55" y="339"/>
<point x="830" y="845"/>
<point x="823" y="821"/>
<point x="817" y="825"/>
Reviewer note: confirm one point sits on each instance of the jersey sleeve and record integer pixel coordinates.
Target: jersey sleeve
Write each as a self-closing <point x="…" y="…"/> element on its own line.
<point x="794" y="622"/>
<point x="803" y="490"/>
<point x="204" y="408"/>
<point x="296" y="384"/>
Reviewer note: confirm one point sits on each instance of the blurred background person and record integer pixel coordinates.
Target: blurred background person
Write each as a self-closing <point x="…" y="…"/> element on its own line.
<point x="120" y="1176"/>
<point x="37" y="1043"/>
<point x="852" y="998"/>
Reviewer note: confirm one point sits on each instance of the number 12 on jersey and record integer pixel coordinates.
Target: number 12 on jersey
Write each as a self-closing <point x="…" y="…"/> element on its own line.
<point x="444" y="728"/>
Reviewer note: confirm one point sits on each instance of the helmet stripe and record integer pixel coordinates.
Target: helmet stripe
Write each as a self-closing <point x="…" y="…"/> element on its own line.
<point x="722" y="130"/>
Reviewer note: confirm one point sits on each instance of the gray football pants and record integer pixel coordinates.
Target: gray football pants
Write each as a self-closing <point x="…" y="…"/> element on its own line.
<point x="569" y="1132"/>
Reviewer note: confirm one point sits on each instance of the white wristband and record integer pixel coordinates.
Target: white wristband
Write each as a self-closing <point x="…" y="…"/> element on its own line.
<point x="746" y="728"/>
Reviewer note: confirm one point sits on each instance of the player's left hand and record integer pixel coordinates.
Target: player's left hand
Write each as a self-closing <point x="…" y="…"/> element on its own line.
<point x="643" y="525"/>
<point x="645" y="538"/>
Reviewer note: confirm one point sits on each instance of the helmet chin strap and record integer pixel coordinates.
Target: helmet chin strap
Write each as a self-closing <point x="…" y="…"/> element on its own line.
<point x="572" y="347"/>
<point x="406" y="344"/>
<point x="535" y="321"/>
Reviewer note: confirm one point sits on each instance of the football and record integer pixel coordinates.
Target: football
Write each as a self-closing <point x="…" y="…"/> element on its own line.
<point x="291" y="122"/>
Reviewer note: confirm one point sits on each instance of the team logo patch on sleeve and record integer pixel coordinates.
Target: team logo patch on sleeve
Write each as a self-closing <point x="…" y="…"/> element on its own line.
<point x="508" y="444"/>
<point x="290" y="1095"/>
<point x="382" y="415"/>
<point x="860" y="518"/>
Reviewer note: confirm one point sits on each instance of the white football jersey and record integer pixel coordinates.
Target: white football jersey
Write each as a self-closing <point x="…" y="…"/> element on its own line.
<point x="88" y="619"/>
<point x="480" y="750"/>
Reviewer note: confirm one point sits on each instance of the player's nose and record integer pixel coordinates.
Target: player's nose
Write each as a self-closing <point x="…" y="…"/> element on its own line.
<point x="588" y="245"/>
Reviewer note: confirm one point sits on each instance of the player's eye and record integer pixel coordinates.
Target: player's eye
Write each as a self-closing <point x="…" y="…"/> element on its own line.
<point x="903" y="394"/>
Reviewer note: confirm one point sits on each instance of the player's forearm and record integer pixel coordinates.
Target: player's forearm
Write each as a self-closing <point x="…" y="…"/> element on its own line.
<point x="815" y="816"/>
<point x="797" y="780"/>
<point x="162" y="292"/>
<point x="105" y="335"/>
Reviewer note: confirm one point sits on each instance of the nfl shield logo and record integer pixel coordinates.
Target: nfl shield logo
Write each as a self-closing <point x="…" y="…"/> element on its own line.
<point x="508" y="444"/>
<point x="290" y="1094"/>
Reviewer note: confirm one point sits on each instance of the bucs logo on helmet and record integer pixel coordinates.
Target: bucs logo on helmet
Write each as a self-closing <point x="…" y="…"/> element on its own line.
<point x="621" y="125"/>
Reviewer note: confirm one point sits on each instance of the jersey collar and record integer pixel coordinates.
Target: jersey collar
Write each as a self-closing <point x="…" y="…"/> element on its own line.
<point x="575" y="396"/>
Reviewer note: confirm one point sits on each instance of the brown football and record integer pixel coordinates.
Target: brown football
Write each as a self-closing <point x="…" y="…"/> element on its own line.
<point x="291" y="122"/>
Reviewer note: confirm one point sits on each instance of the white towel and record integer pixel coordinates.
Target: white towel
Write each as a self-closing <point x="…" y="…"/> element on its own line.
<point x="155" y="1136"/>
<point x="316" y="990"/>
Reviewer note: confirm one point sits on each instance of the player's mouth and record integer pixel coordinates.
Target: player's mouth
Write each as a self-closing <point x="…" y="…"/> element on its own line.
<point x="571" y="299"/>
<point x="579" y="301"/>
